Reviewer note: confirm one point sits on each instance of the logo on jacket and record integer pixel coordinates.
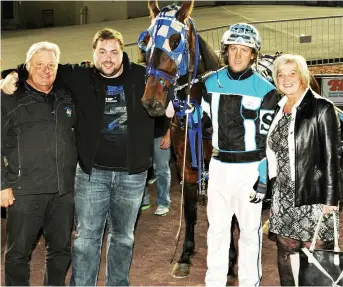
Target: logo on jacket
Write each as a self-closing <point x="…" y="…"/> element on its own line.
<point x="69" y="111"/>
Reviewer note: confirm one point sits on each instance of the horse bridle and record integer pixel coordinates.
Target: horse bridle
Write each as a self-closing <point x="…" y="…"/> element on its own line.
<point x="163" y="26"/>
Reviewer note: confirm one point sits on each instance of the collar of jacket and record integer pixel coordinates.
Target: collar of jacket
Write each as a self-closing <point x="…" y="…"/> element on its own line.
<point x="28" y="88"/>
<point x="300" y="104"/>
<point x="306" y="99"/>
<point x="239" y="75"/>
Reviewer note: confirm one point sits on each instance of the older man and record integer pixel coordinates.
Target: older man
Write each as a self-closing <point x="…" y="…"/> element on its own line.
<point x="38" y="161"/>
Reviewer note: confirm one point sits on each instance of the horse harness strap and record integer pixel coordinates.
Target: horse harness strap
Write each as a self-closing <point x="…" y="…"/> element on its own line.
<point x="195" y="135"/>
<point x="194" y="119"/>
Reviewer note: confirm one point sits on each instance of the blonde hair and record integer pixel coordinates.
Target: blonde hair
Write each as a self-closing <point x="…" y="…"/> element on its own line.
<point x="42" y="46"/>
<point x="301" y="64"/>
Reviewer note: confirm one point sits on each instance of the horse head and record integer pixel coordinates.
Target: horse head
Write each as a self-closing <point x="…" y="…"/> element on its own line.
<point x="169" y="48"/>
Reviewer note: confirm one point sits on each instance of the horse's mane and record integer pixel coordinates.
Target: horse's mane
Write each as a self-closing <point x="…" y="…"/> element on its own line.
<point x="209" y="58"/>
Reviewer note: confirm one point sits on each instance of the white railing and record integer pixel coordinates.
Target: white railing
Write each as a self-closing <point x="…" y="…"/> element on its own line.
<point x="319" y="39"/>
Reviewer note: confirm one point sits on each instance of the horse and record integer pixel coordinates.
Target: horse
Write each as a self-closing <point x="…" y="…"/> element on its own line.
<point x="178" y="61"/>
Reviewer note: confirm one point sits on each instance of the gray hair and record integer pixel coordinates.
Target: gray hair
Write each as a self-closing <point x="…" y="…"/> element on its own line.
<point x="42" y="46"/>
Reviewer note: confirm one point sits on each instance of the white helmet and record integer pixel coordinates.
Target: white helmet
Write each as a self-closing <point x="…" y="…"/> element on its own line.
<point x="241" y="34"/>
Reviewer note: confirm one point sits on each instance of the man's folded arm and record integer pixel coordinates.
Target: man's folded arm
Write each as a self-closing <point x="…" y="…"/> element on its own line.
<point x="5" y="127"/>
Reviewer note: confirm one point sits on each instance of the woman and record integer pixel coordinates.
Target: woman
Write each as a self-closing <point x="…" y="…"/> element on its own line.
<point x="303" y="152"/>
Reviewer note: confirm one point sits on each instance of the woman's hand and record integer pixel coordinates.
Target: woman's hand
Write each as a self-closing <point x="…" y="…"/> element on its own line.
<point x="327" y="209"/>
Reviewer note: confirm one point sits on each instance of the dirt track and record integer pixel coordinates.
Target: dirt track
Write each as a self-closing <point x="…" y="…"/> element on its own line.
<point x="155" y="243"/>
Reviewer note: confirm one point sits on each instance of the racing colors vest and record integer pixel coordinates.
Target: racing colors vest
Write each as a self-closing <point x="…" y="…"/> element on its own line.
<point x="242" y="108"/>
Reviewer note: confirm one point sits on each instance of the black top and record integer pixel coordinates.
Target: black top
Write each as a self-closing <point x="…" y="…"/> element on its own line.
<point x="317" y="139"/>
<point x="161" y="126"/>
<point x="112" y="149"/>
<point x="239" y="75"/>
<point x="38" y="151"/>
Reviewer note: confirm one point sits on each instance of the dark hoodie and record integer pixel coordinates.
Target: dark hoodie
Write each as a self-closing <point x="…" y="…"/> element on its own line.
<point x="88" y="87"/>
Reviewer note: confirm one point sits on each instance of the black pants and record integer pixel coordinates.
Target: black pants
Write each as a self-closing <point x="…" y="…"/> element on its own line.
<point x="29" y="214"/>
<point x="287" y="246"/>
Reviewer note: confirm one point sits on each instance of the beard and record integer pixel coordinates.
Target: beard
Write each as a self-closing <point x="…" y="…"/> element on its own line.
<point x="111" y="74"/>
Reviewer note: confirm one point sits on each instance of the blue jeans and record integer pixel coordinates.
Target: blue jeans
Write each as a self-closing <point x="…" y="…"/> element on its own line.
<point x="109" y="196"/>
<point x="163" y="175"/>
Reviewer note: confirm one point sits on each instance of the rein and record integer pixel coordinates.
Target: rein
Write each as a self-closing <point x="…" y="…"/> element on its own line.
<point x="185" y="112"/>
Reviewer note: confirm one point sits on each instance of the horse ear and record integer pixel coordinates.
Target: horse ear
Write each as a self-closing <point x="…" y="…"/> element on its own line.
<point x="153" y="7"/>
<point x="185" y="10"/>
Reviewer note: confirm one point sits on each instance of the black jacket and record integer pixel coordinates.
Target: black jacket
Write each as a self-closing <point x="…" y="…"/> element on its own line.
<point x="38" y="152"/>
<point x="317" y="134"/>
<point x="88" y="88"/>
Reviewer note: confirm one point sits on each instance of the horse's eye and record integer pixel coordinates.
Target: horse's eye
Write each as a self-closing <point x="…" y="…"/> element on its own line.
<point x="174" y="41"/>
<point x="175" y="45"/>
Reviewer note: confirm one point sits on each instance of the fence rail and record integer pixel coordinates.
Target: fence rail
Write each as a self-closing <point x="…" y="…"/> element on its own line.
<point x="318" y="39"/>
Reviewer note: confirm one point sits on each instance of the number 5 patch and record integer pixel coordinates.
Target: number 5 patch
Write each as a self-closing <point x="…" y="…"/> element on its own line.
<point x="266" y="118"/>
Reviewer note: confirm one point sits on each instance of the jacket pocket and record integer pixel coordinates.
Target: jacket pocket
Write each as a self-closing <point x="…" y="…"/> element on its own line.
<point x="249" y="107"/>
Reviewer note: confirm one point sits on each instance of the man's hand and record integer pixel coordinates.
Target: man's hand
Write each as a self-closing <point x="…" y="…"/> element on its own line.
<point x="170" y="112"/>
<point x="165" y="141"/>
<point x="7" y="198"/>
<point x="8" y="85"/>
<point x="259" y="193"/>
<point x="327" y="209"/>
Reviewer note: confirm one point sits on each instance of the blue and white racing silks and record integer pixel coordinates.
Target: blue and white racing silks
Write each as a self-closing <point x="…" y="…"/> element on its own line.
<point x="241" y="111"/>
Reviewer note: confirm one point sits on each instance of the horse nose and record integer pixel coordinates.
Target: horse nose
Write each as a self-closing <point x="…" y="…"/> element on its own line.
<point x="146" y="103"/>
<point x="158" y="106"/>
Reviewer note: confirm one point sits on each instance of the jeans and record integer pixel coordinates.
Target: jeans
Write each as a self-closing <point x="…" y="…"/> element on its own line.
<point x="29" y="213"/>
<point x="163" y="175"/>
<point x="112" y="197"/>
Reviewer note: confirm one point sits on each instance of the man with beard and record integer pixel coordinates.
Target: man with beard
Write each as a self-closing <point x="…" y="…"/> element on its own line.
<point x="114" y="137"/>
